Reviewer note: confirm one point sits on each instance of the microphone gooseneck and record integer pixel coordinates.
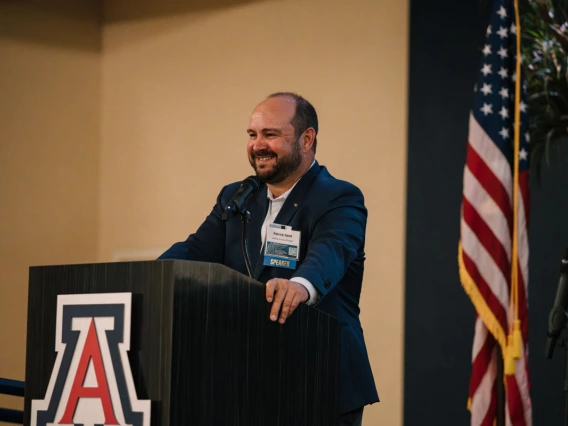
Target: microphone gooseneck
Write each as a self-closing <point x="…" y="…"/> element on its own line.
<point x="248" y="188"/>
<point x="236" y="206"/>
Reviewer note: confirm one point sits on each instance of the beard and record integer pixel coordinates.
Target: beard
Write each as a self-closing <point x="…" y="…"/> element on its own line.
<point x="283" y="165"/>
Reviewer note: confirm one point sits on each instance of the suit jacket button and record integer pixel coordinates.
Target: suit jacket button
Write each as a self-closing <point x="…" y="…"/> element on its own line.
<point x="327" y="283"/>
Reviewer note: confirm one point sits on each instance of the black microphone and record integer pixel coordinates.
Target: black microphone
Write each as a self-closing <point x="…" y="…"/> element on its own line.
<point x="557" y="317"/>
<point x="249" y="187"/>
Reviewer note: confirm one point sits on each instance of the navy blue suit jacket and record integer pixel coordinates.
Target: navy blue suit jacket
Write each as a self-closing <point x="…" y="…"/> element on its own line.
<point x="332" y="218"/>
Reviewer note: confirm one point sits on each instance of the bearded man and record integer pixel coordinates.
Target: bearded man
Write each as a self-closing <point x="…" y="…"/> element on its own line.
<point x="330" y="218"/>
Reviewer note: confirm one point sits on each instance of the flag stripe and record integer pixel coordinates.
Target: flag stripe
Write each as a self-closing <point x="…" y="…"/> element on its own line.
<point x="479" y="337"/>
<point x="491" y="184"/>
<point x="488" y="277"/>
<point x="491" y="156"/>
<point x="480" y="361"/>
<point x="515" y="402"/>
<point x="487" y="239"/>
<point x="484" y="401"/>
<point x="489" y="419"/>
<point x="492" y="214"/>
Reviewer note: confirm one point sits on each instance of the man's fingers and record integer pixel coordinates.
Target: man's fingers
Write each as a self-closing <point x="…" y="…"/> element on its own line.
<point x="286" y="306"/>
<point x="290" y="303"/>
<point x="285" y="297"/>
<point x="295" y="302"/>
<point x="278" y="299"/>
<point x="271" y="288"/>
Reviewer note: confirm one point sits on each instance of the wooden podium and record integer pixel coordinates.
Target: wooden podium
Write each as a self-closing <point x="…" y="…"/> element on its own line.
<point x="201" y="349"/>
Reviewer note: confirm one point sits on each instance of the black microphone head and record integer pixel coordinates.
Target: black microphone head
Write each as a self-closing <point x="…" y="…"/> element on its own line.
<point x="248" y="188"/>
<point x="254" y="181"/>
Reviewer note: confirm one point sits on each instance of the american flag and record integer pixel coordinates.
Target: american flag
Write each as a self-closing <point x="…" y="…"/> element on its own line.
<point x="487" y="224"/>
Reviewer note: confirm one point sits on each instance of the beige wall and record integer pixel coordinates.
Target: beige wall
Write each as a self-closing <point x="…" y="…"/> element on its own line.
<point x="178" y="88"/>
<point x="49" y="153"/>
<point x="117" y="155"/>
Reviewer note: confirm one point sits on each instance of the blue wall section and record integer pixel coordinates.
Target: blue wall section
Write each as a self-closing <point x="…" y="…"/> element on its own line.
<point x="446" y="37"/>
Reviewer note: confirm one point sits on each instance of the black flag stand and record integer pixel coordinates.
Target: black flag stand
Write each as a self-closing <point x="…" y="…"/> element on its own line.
<point x="557" y="321"/>
<point x="563" y="343"/>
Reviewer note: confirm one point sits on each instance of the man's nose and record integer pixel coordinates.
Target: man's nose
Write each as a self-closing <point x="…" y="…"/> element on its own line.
<point x="259" y="144"/>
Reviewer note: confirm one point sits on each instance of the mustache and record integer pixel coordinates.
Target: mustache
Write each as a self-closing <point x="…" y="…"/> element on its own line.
<point x="263" y="153"/>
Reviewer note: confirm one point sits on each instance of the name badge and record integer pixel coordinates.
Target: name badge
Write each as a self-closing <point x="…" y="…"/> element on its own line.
<point x="282" y="249"/>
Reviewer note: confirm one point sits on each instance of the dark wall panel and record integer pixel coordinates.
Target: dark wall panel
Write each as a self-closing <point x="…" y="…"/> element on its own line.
<point x="444" y="58"/>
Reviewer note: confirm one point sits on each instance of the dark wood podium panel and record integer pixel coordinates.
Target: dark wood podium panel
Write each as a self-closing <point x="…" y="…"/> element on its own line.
<point x="202" y="347"/>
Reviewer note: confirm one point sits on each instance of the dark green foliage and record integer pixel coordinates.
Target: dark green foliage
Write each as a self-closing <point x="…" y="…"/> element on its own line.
<point x="545" y="56"/>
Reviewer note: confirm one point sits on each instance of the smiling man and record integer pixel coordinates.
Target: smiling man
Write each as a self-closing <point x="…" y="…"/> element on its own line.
<point x="325" y="216"/>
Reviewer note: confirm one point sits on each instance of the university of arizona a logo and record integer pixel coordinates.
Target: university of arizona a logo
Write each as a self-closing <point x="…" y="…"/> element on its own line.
<point x="91" y="383"/>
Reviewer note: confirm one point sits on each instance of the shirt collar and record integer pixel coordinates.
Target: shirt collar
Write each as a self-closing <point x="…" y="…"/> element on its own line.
<point x="285" y="195"/>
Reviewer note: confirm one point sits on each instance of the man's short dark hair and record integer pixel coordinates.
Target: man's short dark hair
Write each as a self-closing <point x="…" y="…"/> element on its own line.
<point x="305" y="116"/>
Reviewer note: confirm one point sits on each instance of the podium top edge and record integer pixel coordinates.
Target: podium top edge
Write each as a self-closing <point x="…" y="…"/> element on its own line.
<point x="179" y="268"/>
<point x="171" y="261"/>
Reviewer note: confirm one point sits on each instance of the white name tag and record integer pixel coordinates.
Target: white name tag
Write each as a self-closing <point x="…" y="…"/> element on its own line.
<point x="282" y="247"/>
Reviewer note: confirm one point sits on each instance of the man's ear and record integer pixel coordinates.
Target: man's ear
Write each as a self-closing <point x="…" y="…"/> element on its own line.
<point x="308" y="139"/>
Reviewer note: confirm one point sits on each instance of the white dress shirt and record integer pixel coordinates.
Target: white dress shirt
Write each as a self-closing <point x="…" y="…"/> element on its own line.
<point x="274" y="206"/>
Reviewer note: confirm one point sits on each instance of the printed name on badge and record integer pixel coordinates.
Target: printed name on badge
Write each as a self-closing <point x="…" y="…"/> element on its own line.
<point x="282" y="246"/>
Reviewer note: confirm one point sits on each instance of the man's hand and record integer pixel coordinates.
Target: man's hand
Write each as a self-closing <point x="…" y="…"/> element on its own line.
<point x="286" y="295"/>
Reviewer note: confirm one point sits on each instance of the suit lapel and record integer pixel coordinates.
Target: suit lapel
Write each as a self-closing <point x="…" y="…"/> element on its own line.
<point x="258" y="210"/>
<point x="289" y="209"/>
<point x="297" y="196"/>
